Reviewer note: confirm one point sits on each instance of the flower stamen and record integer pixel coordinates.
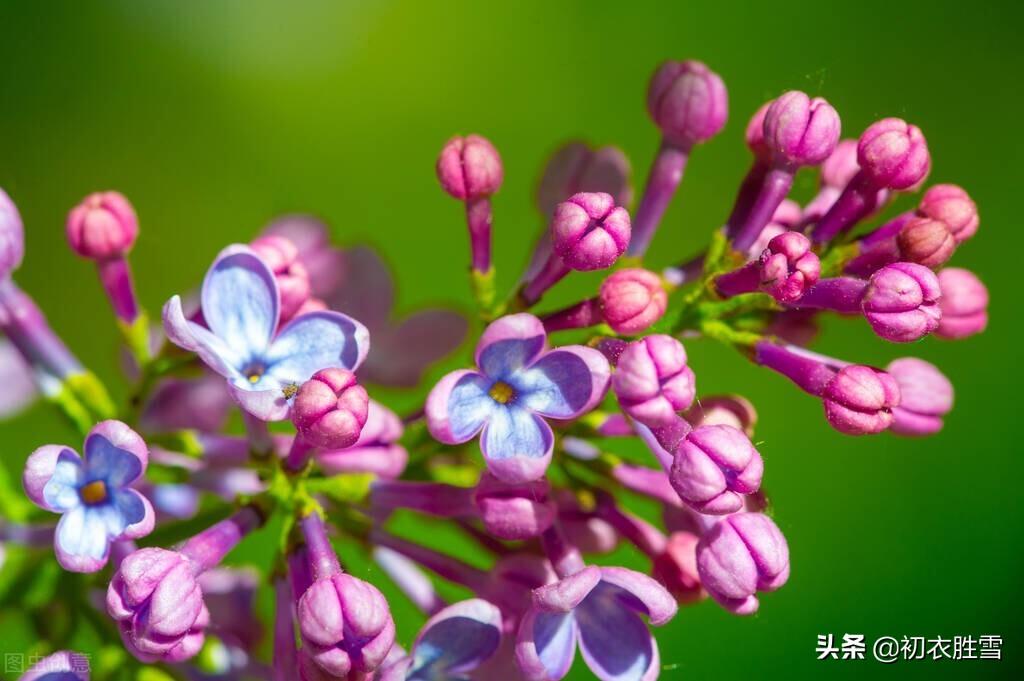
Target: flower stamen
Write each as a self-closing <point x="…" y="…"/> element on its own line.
<point x="501" y="392"/>
<point x="94" y="492"/>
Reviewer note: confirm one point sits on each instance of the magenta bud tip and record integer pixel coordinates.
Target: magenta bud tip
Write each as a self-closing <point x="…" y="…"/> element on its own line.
<point x="330" y="409"/>
<point x="469" y="167"/>
<point x="801" y="131"/>
<point x="688" y="101"/>
<point x="589" y="231"/>
<point x="893" y="154"/>
<point x="632" y="299"/>
<point x="103" y="226"/>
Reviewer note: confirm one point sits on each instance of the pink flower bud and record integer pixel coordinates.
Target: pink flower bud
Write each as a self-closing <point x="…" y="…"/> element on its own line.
<point x="953" y="206"/>
<point x="513" y="512"/>
<point x="964" y="304"/>
<point x="714" y="467"/>
<point x="901" y="302"/>
<point x="676" y="567"/>
<point x="788" y="267"/>
<point x="589" y="231"/>
<point x="632" y="299"/>
<point x="925" y="241"/>
<point x="741" y="555"/>
<point x="799" y="130"/>
<point x="469" y="167"/>
<point x="330" y="409"/>
<point x="12" y="236"/>
<point x="893" y="154"/>
<point x="788" y="213"/>
<point x="859" y="400"/>
<point x="839" y="169"/>
<point x="103" y="226"/>
<point x="925" y="397"/>
<point x="653" y="382"/>
<point x="282" y="257"/>
<point x="755" y="135"/>
<point x="688" y="101"/>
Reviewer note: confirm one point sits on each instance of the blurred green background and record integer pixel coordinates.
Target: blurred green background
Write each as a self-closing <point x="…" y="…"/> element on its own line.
<point x="214" y="117"/>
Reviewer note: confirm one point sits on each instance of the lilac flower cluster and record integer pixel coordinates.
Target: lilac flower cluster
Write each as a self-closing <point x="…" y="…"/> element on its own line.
<point x="515" y="449"/>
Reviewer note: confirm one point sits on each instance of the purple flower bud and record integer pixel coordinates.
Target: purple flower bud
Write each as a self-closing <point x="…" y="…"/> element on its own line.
<point x="12" y="236"/>
<point x="964" y="304"/>
<point x="330" y="409"/>
<point x="901" y="302"/>
<point x="576" y="168"/>
<point x="725" y="410"/>
<point x="799" y="130"/>
<point x="158" y="605"/>
<point x="676" y="568"/>
<point x="741" y="555"/>
<point x="102" y="227"/>
<point x="589" y="231"/>
<point x="688" y="101"/>
<point x="926" y="395"/>
<point x="925" y="241"/>
<point x="469" y="168"/>
<point x="714" y="467"/>
<point x="893" y="154"/>
<point x="953" y="206"/>
<point x="839" y="169"/>
<point x="652" y="380"/>
<point x="282" y="257"/>
<point x="788" y="267"/>
<point x="513" y="512"/>
<point x="755" y="135"/>
<point x="632" y="299"/>
<point x="859" y="400"/>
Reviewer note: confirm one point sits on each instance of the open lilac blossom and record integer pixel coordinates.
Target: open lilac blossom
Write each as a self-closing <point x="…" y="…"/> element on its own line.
<point x="64" y="665"/>
<point x="519" y="382"/>
<point x="598" y="609"/>
<point x="264" y="366"/>
<point x="93" y="494"/>
<point x="451" y="645"/>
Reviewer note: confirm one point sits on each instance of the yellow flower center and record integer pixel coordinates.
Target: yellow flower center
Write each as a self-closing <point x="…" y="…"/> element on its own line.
<point x="94" y="493"/>
<point x="501" y="392"/>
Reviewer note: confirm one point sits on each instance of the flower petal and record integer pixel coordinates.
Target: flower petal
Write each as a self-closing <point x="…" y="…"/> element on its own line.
<point x="81" y="542"/>
<point x="640" y="592"/>
<point x="509" y="344"/>
<point x="459" y="406"/>
<point x="240" y="301"/>
<point x="615" y="643"/>
<point x="214" y="352"/>
<point x="314" y="341"/>
<point x="136" y="511"/>
<point x="324" y="263"/>
<point x="266" y="405"/>
<point x="367" y="292"/>
<point x="458" y="639"/>
<point x="516" y="444"/>
<point x="61" y="491"/>
<point x="546" y="645"/>
<point x="39" y="470"/>
<point x="104" y="461"/>
<point x="563" y="383"/>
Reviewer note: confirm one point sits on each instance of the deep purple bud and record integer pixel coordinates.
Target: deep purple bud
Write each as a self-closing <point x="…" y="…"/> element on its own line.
<point x="953" y="206"/>
<point x="925" y="241"/>
<point x="688" y="101"/>
<point x="901" y="302"/>
<point x="282" y="257"/>
<point x="755" y="135"/>
<point x="102" y="227"/>
<point x="839" y="169"/>
<point x="631" y="300"/>
<point x="964" y="304"/>
<point x="741" y="555"/>
<point x="469" y="167"/>
<point x="330" y="409"/>
<point x="652" y="380"/>
<point x="859" y="400"/>
<point x="714" y="467"/>
<point x="893" y="154"/>
<point x="589" y="231"/>
<point x="513" y="512"/>
<point x="12" y="236"/>
<point x="926" y="395"/>
<point x="676" y="567"/>
<point x="800" y="131"/>
<point x="788" y="267"/>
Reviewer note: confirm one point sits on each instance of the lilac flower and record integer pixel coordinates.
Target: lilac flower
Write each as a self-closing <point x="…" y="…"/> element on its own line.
<point x="264" y="365"/>
<point x="64" y="665"/>
<point x="599" y="609"/>
<point x="926" y="395"/>
<point x="743" y="554"/>
<point x="451" y="645"/>
<point x="518" y="382"/>
<point x="93" y="495"/>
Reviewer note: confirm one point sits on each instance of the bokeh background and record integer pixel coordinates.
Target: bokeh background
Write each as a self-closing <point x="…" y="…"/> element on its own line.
<point x="214" y="117"/>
